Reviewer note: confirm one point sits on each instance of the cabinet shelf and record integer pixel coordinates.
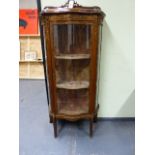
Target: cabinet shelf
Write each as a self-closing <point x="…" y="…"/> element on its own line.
<point x="72" y="56"/>
<point x="74" y="109"/>
<point x="73" y="85"/>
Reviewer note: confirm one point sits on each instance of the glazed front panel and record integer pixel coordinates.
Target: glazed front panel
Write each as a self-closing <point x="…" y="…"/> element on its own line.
<point x="72" y="56"/>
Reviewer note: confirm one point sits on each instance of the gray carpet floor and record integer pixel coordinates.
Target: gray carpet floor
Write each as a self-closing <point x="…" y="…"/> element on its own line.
<point x="36" y="133"/>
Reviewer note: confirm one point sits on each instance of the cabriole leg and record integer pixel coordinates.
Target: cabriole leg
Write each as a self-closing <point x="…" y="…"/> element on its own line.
<point x="51" y="119"/>
<point x="91" y="128"/>
<point x="55" y="127"/>
<point x="95" y="118"/>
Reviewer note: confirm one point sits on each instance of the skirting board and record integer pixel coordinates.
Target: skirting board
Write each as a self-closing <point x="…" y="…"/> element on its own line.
<point x="116" y="118"/>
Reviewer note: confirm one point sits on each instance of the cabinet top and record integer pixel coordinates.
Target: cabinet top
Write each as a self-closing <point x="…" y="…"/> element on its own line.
<point x="74" y="9"/>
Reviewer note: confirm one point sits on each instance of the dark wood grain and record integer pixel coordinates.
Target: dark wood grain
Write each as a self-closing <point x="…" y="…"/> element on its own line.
<point x="71" y="39"/>
<point x="48" y="10"/>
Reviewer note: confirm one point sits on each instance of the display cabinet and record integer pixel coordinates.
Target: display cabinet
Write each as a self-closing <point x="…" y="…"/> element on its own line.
<point x="71" y="38"/>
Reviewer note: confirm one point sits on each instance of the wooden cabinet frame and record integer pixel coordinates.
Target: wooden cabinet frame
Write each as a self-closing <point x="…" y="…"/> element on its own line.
<point x="92" y="16"/>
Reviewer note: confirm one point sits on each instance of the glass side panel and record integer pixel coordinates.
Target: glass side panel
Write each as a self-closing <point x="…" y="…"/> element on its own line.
<point x="98" y="64"/>
<point x="72" y="60"/>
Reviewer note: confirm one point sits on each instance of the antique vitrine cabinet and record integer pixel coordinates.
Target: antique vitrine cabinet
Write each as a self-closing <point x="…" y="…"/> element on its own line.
<point x="71" y="38"/>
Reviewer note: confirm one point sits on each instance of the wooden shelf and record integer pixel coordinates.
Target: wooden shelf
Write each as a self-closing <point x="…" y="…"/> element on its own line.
<point x="73" y="85"/>
<point x="73" y="56"/>
<point x="73" y="108"/>
<point x="31" y="78"/>
<point x="33" y="61"/>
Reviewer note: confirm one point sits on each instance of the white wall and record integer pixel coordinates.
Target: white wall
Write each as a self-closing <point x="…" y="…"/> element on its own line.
<point x="27" y="4"/>
<point x="117" y="90"/>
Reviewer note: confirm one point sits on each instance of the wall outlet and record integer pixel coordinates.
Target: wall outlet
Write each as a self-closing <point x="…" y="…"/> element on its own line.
<point x="30" y="55"/>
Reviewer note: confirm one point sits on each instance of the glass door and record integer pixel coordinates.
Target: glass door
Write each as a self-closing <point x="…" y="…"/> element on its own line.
<point x="72" y="46"/>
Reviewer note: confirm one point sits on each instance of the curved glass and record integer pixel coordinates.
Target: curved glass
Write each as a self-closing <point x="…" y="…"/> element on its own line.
<point x="72" y="43"/>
